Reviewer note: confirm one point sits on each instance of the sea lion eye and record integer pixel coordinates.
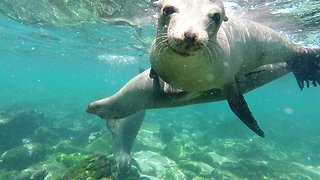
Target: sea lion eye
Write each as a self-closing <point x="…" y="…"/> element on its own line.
<point x="168" y="10"/>
<point x="216" y="18"/>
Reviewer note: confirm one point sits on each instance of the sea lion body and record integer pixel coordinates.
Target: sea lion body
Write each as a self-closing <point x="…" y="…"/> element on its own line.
<point x="198" y="48"/>
<point x="143" y="92"/>
<point x="227" y="49"/>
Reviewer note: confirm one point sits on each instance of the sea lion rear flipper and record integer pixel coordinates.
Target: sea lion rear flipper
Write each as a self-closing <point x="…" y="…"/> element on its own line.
<point x="240" y="108"/>
<point x="306" y="68"/>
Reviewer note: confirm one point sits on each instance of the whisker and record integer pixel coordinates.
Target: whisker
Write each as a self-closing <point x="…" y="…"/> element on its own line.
<point x="161" y="37"/>
<point x="162" y="43"/>
<point x="214" y="49"/>
<point x="208" y="53"/>
<point x="215" y="45"/>
<point x="162" y="33"/>
<point x="210" y="24"/>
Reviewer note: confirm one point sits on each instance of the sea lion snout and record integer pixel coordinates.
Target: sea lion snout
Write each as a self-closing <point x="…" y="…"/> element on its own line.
<point x="105" y="109"/>
<point x="91" y="108"/>
<point x="94" y="108"/>
<point x="185" y="42"/>
<point x="190" y="37"/>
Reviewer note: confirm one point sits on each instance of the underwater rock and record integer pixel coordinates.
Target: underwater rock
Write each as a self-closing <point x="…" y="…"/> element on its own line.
<point x="189" y="174"/>
<point x="203" y="157"/>
<point x="206" y="171"/>
<point x="17" y="124"/>
<point x="31" y="174"/>
<point x="23" y="156"/>
<point x="174" y="151"/>
<point x="79" y="131"/>
<point x="147" y="139"/>
<point x="227" y="147"/>
<point x="255" y="169"/>
<point x="259" y="152"/>
<point x="93" y="167"/>
<point x="97" y="167"/>
<point x="69" y="160"/>
<point x="95" y="135"/>
<point x="24" y="119"/>
<point x="250" y="169"/>
<point x="5" y="174"/>
<point x="154" y="165"/>
<point x="174" y="174"/>
<point x="190" y="166"/>
<point x="65" y="146"/>
<point x="56" y="165"/>
<point x="101" y="145"/>
<point x="166" y="134"/>
<point x="46" y="135"/>
<point x="311" y="172"/>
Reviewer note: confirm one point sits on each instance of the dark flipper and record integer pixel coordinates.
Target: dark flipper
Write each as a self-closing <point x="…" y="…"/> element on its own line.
<point x="306" y="68"/>
<point x="124" y="132"/>
<point x="153" y="74"/>
<point x="240" y="108"/>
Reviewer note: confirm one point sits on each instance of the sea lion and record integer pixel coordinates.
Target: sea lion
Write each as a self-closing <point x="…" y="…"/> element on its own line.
<point x="124" y="111"/>
<point x="145" y="92"/>
<point x="170" y="81"/>
<point x="198" y="48"/>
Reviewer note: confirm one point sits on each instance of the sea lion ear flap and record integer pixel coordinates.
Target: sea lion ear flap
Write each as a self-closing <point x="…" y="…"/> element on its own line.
<point x="225" y="18"/>
<point x="223" y="12"/>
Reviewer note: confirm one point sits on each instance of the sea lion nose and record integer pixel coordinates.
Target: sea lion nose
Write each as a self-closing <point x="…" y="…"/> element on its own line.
<point x="91" y="108"/>
<point x="190" y="37"/>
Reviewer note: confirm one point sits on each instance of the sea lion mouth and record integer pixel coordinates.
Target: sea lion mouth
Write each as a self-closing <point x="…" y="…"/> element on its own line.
<point x="184" y="54"/>
<point x="184" y="47"/>
<point x="187" y="51"/>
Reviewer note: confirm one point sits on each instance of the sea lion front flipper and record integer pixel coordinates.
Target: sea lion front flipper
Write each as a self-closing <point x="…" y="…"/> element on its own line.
<point x="124" y="132"/>
<point x="240" y="108"/>
<point x="306" y="68"/>
<point x="153" y="74"/>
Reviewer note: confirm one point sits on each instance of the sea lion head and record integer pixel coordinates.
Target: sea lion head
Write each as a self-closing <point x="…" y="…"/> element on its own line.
<point x="187" y="26"/>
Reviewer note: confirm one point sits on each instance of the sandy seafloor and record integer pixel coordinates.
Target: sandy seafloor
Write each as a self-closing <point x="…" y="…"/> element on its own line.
<point x="49" y="74"/>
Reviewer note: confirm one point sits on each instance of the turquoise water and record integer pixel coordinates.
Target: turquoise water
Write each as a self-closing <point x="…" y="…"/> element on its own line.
<point x="41" y="64"/>
<point x="58" y="70"/>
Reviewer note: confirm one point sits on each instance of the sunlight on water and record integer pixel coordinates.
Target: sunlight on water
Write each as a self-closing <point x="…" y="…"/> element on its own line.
<point x="117" y="60"/>
<point x="284" y="11"/>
